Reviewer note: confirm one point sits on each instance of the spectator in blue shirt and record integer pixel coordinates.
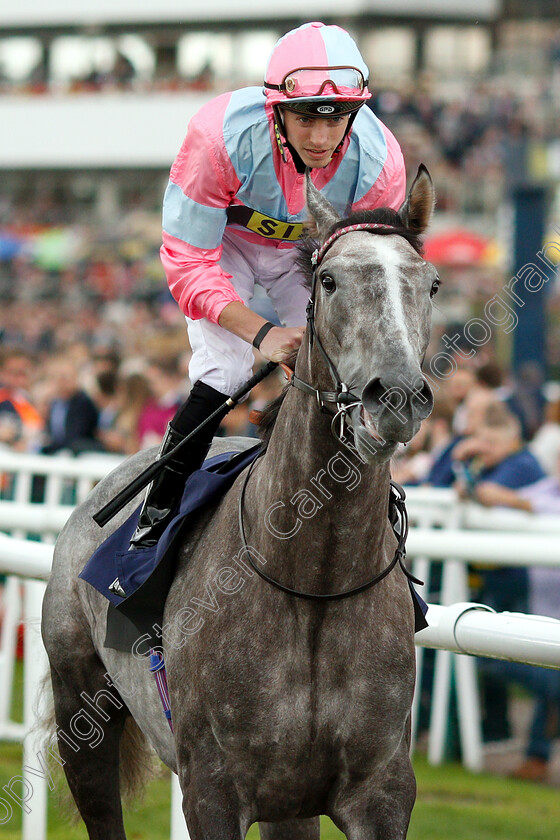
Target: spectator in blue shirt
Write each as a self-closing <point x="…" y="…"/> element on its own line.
<point x="473" y="409"/>
<point x="72" y="416"/>
<point x="494" y="459"/>
<point x="490" y="465"/>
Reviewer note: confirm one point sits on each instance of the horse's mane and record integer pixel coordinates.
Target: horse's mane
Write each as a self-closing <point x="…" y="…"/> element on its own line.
<point x="381" y="215"/>
<point x="269" y="414"/>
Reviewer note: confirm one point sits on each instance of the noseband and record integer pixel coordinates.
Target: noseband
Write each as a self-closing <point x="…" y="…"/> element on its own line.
<point x="344" y="400"/>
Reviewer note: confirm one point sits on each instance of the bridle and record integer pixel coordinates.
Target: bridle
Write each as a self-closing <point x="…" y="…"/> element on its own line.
<point x="342" y="397"/>
<point x="344" y="400"/>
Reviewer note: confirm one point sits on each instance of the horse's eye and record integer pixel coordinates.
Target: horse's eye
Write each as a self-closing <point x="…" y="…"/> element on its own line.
<point x="328" y="284"/>
<point x="435" y="287"/>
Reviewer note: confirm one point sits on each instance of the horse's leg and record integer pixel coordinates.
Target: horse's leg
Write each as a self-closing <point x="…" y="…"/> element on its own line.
<point x="379" y="808"/>
<point x="211" y="812"/>
<point x="89" y="737"/>
<point x="291" y="830"/>
<point x="210" y="801"/>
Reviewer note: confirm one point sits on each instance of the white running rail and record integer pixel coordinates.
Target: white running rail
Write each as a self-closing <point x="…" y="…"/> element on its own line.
<point x="443" y="530"/>
<point x="463" y="628"/>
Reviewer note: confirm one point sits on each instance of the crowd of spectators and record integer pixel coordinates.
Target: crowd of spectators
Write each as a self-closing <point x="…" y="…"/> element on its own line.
<point x="474" y="144"/>
<point x="94" y="387"/>
<point x="93" y="356"/>
<point x="499" y="447"/>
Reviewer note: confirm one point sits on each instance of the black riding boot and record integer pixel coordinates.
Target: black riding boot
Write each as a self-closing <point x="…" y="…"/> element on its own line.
<point x="166" y="490"/>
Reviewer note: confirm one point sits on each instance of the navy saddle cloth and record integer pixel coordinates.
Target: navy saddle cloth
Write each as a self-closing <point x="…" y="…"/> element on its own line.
<point x="146" y="574"/>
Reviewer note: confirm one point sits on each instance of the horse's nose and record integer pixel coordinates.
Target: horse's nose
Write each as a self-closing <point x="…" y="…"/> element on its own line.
<point x="397" y="404"/>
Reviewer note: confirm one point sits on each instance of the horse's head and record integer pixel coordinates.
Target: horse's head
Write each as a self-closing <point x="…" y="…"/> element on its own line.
<point x="372" y="313"/>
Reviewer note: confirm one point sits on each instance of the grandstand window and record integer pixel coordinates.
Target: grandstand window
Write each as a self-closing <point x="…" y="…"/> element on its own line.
<point x="238" y="57"/>
<point x="75" y="57"/>
<point x="525" y="48"/>
<point x="19" y="57"/>
<point x="389" y="52"/>
<point x="458" y="49"/>
<point x="254" y="52"/>
<point x="205" y="50"/>
<point x="138" y="51"/>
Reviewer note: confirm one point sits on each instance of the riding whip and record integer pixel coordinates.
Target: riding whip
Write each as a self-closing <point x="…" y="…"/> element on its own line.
<point x="124" y="496"/>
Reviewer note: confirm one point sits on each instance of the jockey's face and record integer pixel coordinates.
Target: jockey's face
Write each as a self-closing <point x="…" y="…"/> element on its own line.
<point x="314" y="138"/>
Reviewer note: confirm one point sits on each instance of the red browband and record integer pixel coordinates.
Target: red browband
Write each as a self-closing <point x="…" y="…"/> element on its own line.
<point x="319" y="253"/>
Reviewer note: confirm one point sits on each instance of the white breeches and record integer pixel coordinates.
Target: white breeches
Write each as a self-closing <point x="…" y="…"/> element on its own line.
<point x="220" y="358"/>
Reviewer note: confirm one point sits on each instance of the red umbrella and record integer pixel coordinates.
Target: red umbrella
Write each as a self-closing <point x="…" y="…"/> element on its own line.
<point x="459" y="247"/>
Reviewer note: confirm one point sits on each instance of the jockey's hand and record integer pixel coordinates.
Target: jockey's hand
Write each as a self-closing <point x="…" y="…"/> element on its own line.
<point x="277" y="345"/>
<point x="280" y="342"/>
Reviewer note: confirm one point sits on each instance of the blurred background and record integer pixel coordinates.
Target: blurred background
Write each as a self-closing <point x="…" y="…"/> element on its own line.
<point x="95" y="100"/>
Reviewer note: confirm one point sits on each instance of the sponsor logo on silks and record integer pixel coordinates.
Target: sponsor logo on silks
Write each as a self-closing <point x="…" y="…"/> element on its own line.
<point x="273" y="228"/>
<point x="325" y="109"/>
<point x="117" y="589"/>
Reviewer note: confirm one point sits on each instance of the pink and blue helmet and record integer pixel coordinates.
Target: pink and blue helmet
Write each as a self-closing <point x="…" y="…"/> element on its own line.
<point x="317" y="70"/>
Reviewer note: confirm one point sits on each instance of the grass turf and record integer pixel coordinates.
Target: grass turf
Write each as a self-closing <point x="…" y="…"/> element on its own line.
<point x="450" y="803"/>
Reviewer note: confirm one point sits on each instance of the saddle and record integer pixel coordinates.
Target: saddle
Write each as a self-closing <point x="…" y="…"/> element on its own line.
<point x="136" y="582"/>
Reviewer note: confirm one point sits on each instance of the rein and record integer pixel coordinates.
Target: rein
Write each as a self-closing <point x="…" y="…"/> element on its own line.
<point x="344" y="400"/>
<point x="399" y="522"/>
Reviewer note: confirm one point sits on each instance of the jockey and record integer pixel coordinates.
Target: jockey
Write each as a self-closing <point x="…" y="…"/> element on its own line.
<point x="233" y="211"/>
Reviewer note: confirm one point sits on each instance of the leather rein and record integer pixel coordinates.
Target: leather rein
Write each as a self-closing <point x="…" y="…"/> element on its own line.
<point x="344" y="400"/>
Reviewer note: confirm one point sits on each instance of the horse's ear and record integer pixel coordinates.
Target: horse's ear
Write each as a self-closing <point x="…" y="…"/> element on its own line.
<point x="322" y="212"/>
<point x="417" y="210"/>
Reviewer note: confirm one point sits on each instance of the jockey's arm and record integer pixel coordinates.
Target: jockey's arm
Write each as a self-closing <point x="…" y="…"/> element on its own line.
<point x="194" y="219"/>
<point x="194" y="280"/>
<point x="277" y="345"/>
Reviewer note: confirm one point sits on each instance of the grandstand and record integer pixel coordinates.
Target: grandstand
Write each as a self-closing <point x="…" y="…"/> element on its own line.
<point x="135" y="128"/>
<point x="96" y="98"/>
<point x="156" y="63"/>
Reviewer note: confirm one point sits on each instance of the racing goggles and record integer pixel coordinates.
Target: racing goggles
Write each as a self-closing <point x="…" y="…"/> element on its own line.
<point x="321" y="81"/>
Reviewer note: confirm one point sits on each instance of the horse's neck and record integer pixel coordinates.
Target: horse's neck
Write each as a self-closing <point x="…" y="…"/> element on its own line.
<point x="313" y="487"/>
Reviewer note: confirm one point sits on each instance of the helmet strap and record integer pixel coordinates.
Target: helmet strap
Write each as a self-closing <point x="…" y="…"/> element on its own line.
<point x="282" y="140"/>
<point x="279" y="131"/>
<point x="351" y="119"/>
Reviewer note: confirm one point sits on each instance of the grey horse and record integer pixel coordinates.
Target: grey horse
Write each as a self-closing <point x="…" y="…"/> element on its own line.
<point x="284" y="707"/>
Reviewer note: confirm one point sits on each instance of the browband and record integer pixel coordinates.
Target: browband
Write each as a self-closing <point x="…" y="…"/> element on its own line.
<point x="319" y="253"/>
